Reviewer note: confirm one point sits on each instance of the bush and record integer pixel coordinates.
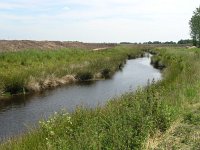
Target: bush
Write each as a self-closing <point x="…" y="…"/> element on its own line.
<point x="14" y="85"/>
<point x="106" y="73"/>
<point x="84" y="76"/>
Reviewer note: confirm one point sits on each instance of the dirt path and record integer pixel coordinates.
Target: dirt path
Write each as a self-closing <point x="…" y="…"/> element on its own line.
<point x="98" y="49"/>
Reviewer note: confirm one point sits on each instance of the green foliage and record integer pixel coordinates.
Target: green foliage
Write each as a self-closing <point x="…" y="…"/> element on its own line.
<point x="185" y="133"/>
<point x="193" y="117"/>
<point x="195" y="27"/>
<point x="187" y="41"/>
<point x="129" y="121"/>
<point x="106" y="73"/>
<point x="18" y="68"/>
<point x="84" y="76"/>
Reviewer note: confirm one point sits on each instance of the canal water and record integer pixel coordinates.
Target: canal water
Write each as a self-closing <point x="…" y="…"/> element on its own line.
<point x="21" y="113"/>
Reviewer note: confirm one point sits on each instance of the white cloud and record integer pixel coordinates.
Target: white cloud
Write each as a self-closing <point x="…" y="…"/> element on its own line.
<point x="96" y="20"/>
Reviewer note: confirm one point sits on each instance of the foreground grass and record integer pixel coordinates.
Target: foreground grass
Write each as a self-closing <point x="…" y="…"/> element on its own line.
<point x="35" y="70"/>
<point x="130" y="121"/>
<point x="184" y="134"/>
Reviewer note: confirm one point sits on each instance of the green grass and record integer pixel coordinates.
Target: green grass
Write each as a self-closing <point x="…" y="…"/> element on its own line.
<point x="19" y="69"/>
<point x="130" y="121"/>
<point x="185" y="134"/>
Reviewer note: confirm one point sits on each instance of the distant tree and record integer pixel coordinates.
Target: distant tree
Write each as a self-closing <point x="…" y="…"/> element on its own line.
<point x="125" y="43"/>
<point x="156" y="42"/>
<point x="169" y="42"/>
<point x="195" y="27"/>
<point x="149" y="42"/>
<point x="187" y="41"/>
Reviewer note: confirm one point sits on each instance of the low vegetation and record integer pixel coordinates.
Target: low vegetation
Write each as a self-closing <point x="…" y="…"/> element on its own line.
<point x="36" y="70"/>
<point x="185" y="133"/>
<point x="134" y="120"/>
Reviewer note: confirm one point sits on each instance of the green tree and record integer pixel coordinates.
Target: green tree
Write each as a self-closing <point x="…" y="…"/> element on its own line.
<point x="195" y="27"/>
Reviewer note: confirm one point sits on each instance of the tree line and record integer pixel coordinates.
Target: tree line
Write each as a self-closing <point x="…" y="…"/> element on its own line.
<point x="182" y="41"/>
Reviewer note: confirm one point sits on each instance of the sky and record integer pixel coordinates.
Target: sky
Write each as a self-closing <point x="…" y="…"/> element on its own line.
<point x="96" y="20"/>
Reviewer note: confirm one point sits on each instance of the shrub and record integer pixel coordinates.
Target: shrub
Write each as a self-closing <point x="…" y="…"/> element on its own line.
<point x="84" y="76"/>
<point x="106" y="73"/>
<point x="14" y="85"/>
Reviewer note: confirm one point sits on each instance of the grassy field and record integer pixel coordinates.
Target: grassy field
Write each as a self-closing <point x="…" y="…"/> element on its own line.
<point x="144" y="119"/>
<point x="36" y="70"/>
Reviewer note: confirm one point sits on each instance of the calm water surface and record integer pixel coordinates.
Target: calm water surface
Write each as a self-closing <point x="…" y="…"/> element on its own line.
<point x="22" y="112"/>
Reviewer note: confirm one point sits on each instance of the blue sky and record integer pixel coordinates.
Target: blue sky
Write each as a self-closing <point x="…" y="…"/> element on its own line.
<point x="96" y="20"/>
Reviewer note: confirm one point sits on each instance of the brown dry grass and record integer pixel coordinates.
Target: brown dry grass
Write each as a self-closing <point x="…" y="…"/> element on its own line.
<point x="18" y="45"/>
<point x="49" y="82"/>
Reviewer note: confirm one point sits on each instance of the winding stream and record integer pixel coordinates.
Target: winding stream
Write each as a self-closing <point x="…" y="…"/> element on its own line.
<point x="22" y="112"/>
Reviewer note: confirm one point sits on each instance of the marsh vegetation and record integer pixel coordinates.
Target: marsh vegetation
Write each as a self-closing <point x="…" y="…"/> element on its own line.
<point x="132" y="121"/>
<point x="36" y="70"/>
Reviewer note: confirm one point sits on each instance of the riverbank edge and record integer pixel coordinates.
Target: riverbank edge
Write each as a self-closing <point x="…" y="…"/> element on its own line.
<point x="51" y="82"/>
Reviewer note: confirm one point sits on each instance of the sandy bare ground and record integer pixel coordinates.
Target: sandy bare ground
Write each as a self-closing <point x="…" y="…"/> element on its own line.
<point x="18" y="45"/>
<point x="98" y="49"/>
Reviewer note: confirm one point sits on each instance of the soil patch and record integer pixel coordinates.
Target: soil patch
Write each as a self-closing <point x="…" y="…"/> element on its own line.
<point x="18" y="45"/>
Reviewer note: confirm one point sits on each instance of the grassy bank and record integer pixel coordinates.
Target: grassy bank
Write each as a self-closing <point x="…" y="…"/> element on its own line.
<point x="132" y="121"/>
<point x="35" y="70"/>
